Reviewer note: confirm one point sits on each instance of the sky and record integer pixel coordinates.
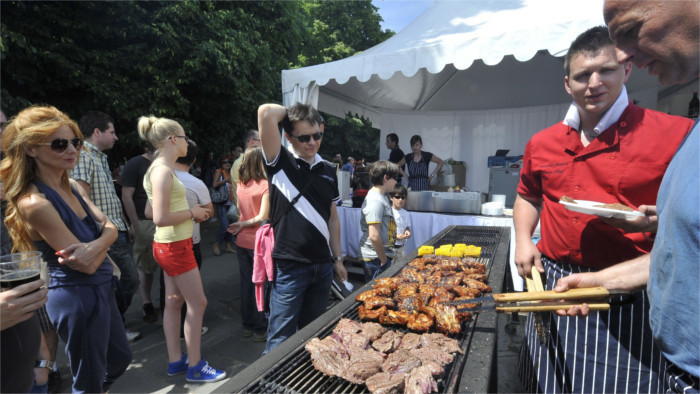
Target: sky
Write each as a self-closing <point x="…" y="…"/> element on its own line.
<point x="399" y="13"/>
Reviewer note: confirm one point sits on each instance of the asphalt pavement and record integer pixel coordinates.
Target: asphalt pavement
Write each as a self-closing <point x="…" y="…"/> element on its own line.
<point x="224" y="346"/>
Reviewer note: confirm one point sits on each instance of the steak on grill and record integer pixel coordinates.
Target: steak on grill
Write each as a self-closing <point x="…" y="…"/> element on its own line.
<point x="388" y="342"/>
<point x="386" y="383"/>
<point x="447" y="344"/>
<point x="420" y="381"/>
<point x="400" y="361"/>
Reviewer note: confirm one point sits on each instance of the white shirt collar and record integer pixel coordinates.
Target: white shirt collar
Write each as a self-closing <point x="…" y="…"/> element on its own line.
<point x="612" y="115"/>
<point x="317" y="158"/>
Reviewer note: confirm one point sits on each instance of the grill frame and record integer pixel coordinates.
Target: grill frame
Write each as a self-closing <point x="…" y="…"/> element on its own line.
<point x="473" y="372"/>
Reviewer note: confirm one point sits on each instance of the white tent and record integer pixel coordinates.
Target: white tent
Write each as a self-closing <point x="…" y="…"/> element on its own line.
<point x="470" y="77"/>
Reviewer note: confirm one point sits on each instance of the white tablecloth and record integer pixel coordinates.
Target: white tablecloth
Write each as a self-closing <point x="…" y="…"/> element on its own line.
<point x="424" y="225"/>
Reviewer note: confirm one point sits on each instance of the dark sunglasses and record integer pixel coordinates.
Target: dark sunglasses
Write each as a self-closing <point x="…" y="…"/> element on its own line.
<point x="61" y="144"/>
<point x="227" y="162"/>
<point x="399" y="197"/>
<point x="307" y="137"/>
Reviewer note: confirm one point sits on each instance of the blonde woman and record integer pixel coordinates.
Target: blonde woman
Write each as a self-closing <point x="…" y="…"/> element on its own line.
<point x="50" y="213"/>
<point x="172" y="249"/>
<point x="253" y="196"/>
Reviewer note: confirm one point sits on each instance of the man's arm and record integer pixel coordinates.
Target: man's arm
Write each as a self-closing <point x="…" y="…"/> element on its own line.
<point x="334" y="229"/>
<point x="129" y="206"/>
<point x="631" y="275"/>
<point x="269" y="117"/>
<point x="526" y="214"/>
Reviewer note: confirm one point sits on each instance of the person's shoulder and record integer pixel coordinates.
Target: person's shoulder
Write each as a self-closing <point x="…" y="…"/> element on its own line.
<point x="33" y="203"/>
<point x="638" y="113"/>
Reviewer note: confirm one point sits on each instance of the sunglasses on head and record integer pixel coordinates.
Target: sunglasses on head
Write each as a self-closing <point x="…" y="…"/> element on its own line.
<point x="61" y="144"/>
<point x="307" y="137"/>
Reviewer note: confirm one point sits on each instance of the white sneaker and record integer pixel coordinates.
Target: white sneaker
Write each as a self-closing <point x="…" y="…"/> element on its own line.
<point x="133" y="335"/>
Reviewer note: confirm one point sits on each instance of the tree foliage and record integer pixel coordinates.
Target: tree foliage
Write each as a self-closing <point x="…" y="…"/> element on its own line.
<point x="208" y="65"/>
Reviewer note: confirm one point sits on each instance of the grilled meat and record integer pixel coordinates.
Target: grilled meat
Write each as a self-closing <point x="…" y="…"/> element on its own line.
<point x="446" y="320"/>
<point x="427" y="289"/>
<point x="377" y="291"/>
<point x="413" y="275"/>
<point x="409" y="303"/>
<point x="366" y="294"/>
<point x="386" y="383"/>
<point x="370" y="314"/>
<point x="410" y="341"/>
<point x="405" y="290"/>
<point x="420" y="322"/>
<point x="389" y="341"/>
<point x="477" y="285"/>
<point x="449" y="264"/>
<point x="391" y="283"/>
<point x="428" y="310"/>
<point x="420" y="381"/>
<point x="376" y="302"/>
<point x="400" y="361"/>
<point x="466" y="292"/>
<point x="328" y="356"/>
<point x="432" y="353"/>
<point x="447" y="344"/>
<point x="449" y="281"/>
<point x="395" y="318"/>
<point x="480" y="277"/>
<point x="363" y="364"/>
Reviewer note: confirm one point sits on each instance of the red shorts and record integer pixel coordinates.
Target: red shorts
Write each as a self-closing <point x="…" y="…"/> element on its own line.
<point x="175" y="258"/>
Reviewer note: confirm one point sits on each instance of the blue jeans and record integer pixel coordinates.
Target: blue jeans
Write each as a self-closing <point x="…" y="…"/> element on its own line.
<point x="374" y="267"/>
<point x="120" y="252"/>
<point x="252" y="318"/>
<point x="298" y="295"/>
<point x="221" y="234"/>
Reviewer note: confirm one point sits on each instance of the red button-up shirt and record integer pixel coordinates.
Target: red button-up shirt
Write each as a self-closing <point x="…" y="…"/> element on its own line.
<point x="624" y="164"/>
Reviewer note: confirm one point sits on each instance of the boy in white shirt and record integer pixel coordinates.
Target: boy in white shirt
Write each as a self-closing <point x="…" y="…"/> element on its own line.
<point x="403" y="221"/>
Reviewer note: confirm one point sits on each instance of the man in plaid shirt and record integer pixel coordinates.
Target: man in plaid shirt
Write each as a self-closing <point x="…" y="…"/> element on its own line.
<point x="93" y="174"/>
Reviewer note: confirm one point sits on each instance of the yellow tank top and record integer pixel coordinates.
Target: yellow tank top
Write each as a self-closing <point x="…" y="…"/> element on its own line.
<point x="178" y="202"/>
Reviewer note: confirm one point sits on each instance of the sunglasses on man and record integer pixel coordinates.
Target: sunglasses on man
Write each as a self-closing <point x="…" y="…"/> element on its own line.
<point x="61" y="144"/>
<point x="307" y="137"/>
<point x="227" y="162"/>
<point x="399" y="197"/>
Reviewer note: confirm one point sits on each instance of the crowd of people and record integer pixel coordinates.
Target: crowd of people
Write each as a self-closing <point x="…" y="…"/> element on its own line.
<point x="59" y="199"/>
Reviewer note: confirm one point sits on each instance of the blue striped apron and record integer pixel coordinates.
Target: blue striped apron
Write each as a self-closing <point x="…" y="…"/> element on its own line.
<point x="608" y="351"/>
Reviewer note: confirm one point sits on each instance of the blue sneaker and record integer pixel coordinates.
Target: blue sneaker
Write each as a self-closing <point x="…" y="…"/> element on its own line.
<point x="178" y="367"/>
<point x="203" y="373"/>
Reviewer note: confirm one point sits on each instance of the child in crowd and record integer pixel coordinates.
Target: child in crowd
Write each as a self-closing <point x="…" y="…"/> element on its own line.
<point x="403" y="221"/>
<point x="377" y="222"/>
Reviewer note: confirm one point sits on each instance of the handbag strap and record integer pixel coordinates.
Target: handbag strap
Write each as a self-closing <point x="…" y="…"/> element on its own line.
<point x="294" y="200"/>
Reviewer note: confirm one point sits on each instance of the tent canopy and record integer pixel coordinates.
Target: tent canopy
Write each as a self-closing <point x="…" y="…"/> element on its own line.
<point x="457" y="72"/>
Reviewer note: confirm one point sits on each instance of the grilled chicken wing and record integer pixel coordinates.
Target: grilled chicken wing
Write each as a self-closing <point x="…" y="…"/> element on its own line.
<point x="370" y="314"/>
<point x="395" y="318"/>
<point x="446" y="320"/>
<point x="420" y="322"/>
<point x="375" y="302"/>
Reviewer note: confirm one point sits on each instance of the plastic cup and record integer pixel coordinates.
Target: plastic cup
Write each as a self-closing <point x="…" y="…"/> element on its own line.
<point x="19" y="268"/>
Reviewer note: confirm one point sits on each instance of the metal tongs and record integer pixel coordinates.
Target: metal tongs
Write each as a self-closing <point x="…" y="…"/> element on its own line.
<point x="597" y="299"/>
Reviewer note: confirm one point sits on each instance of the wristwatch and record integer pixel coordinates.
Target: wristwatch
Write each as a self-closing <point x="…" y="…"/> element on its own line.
<point x="339" y="258"/>
<point x="45" y="364"/>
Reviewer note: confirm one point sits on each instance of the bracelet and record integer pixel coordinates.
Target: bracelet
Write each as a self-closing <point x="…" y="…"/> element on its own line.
<point x="339" y="258"/>
<point x="191" y="213"/>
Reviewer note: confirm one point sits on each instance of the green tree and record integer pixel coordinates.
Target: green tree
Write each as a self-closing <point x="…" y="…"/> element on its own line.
<point x="208" y="65"/>
<point x="352" y="135"/>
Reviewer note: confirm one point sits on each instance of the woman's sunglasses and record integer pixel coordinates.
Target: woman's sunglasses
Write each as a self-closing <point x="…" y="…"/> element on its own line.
<point x="61" y="144"/>
<point x="307" y="137"/>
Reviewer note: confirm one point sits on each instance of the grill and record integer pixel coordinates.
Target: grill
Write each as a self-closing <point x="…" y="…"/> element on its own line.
<point x="288" y="368"/>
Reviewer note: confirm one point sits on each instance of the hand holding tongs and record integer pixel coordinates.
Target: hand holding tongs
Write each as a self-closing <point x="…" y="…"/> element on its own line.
<point x="541" y="301"/>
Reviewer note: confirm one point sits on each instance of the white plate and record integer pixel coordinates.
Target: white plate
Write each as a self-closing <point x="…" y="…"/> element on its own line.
<point x="588" y="207"/>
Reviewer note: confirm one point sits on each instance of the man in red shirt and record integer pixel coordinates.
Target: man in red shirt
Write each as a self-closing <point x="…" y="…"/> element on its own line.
<point x="600" y="152"/>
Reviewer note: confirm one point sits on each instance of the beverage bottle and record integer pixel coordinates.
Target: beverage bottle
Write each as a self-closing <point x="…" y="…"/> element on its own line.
<point x="694" y="106"/>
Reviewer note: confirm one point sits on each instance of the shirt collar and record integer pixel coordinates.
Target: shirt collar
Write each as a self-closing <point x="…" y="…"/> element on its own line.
<point x="612" y="115"/>
<point x="92" y="148"/>
<point x="317" y="158"/>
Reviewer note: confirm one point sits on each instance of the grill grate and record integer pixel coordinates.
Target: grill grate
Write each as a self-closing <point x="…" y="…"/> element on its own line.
<point x="296" y="374"/>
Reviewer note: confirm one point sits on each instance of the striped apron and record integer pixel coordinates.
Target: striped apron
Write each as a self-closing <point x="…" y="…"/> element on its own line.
<point x="418" y="174"/>
<point x="608" y="351"/>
